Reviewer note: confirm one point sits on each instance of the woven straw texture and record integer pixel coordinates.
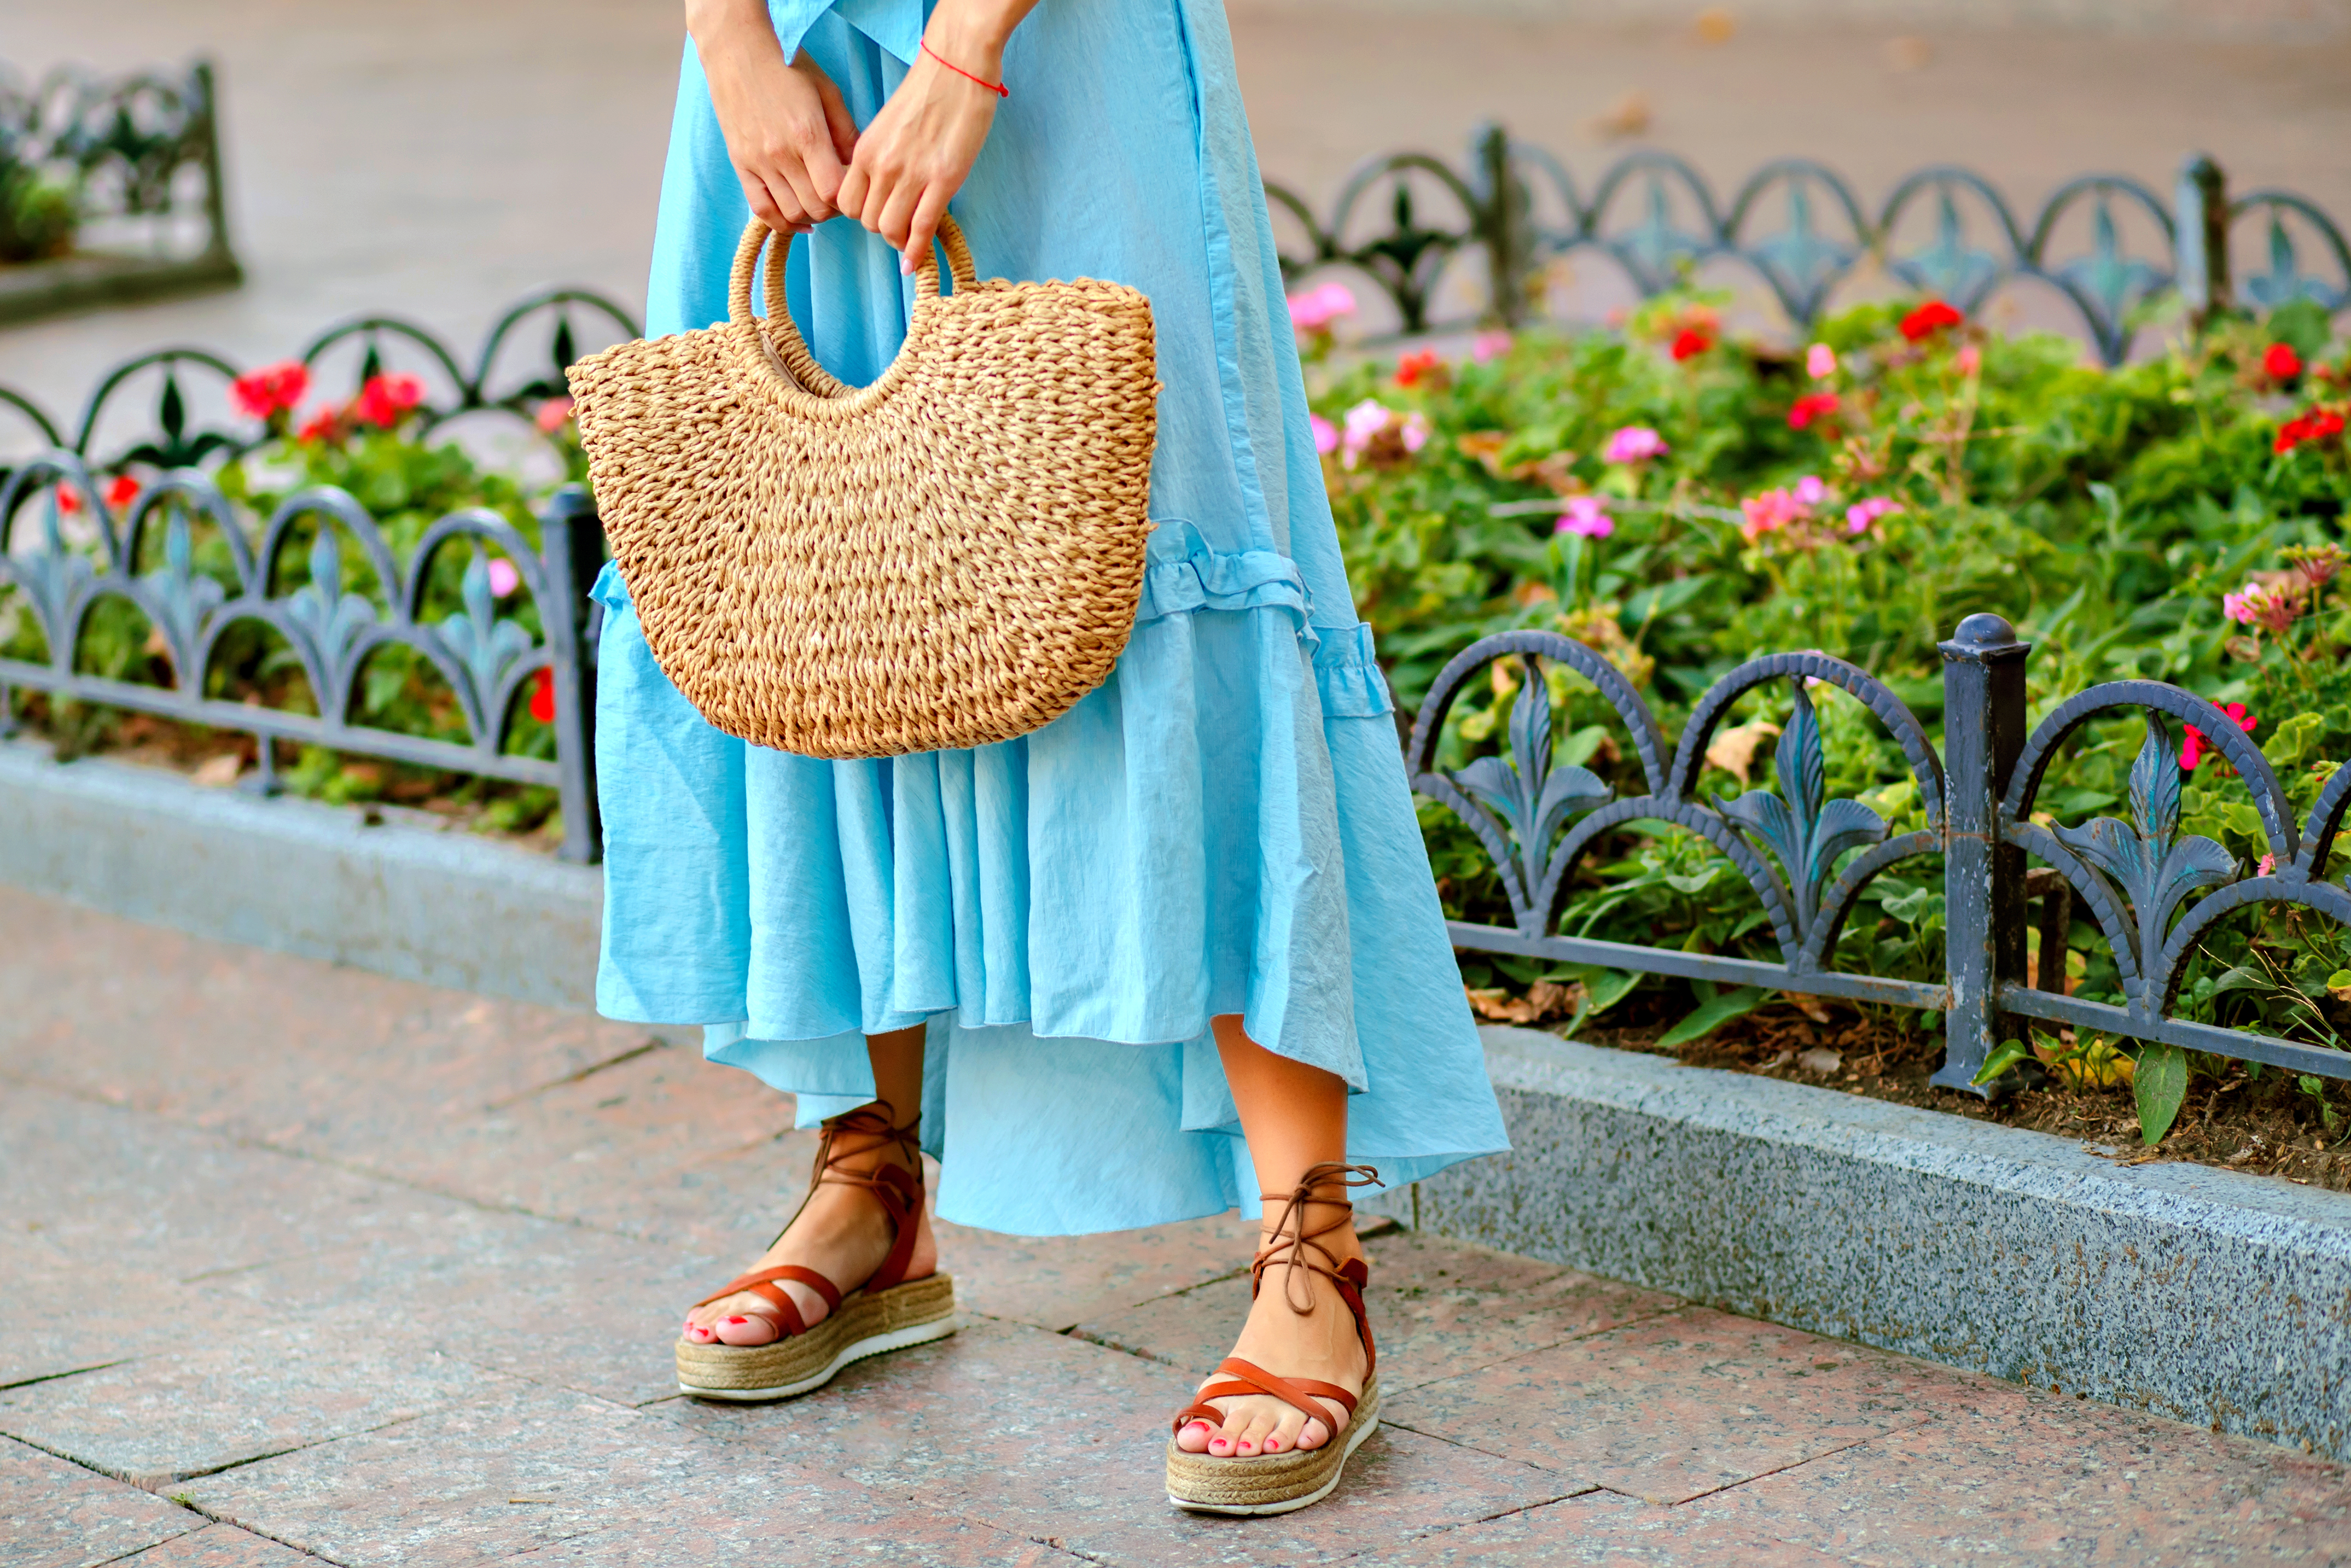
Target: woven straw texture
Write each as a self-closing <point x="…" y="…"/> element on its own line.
<point x="950" y="557"/>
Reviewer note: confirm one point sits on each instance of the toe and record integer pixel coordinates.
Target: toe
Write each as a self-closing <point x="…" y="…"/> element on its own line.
<point x="1193" y="1438"/>
<point x="1253" y="1436"/>
<point x="1314" y="1435"/>
<point x="738" y="1328"/>
<point x="1284" y="1436"/>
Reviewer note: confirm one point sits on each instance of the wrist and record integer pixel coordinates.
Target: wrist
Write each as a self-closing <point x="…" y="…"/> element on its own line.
<point x="972" y="34"/>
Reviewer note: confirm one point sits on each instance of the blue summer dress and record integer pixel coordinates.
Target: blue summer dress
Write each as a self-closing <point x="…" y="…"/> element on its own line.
<point x="1224" y="827"/>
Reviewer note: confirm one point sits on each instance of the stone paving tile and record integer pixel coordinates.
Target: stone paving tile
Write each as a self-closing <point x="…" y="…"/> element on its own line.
<point x="512" y="1468"/>
<point x="59" y="1515"/>
<point x="1438" y="1308"/>
<point x="58" y="1320"/>
<point x="755" y="1529"/>
<point x="218" y="1402"/>
<point x="1678" y="1406"/>
<point x="1056" y="1439"/>
<point x="1057" y="1281"/>
<point x="112" y="1186"/>
<point x="220" y="1546"/>
<point x="264" y="1045"/>
<point x="553" y="1303"/>
<point x="2005" y="1473"/>
<point x="1603" y="1528"/>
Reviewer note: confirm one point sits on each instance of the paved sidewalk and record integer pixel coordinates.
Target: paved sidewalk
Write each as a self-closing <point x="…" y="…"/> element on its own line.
<point x="301" y="1262"/>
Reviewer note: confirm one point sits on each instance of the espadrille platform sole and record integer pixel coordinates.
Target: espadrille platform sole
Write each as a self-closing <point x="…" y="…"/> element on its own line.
<point x="912" y="1314"/>
<point x="1269" y="1483"/>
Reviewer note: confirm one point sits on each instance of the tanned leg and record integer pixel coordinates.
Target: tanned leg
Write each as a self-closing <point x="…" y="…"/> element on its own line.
<point x="1295" y="1117"/>
<point x="842" y="1233"/>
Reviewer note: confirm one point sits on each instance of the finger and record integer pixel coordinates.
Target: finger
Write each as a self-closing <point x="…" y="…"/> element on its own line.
<point x="898" y="214"/>
<point x="837" y="120"/>
<point x="763" y="204"/>
<point x="791" y="215"/>
<point x="813" y="205"/>
<point x="924" y="225"/>
<point x="856" y="187"/>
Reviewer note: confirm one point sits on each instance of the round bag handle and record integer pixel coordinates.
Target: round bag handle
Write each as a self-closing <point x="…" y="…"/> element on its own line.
<point x="809" y="387"/>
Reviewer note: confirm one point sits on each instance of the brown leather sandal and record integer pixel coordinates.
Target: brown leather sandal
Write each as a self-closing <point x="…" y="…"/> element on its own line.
<point x="888" y="1312"/>
<point x="1277" y="1483"/>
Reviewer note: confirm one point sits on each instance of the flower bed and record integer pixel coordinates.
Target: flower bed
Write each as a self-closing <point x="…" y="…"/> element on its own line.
<point x="1679" y="502"/>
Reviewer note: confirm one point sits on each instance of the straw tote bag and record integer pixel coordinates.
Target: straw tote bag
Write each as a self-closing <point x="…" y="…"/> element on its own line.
<point x="950" y="557"/>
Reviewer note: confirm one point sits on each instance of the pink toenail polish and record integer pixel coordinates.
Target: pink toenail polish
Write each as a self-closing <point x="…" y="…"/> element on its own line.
<point x="731" y="1321"/>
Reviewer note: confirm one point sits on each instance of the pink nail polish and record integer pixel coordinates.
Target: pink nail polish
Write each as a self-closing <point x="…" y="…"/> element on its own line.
<point x="731" y="1321"/>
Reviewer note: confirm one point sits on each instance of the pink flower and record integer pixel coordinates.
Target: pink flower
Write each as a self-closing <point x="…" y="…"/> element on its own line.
<point x="1585" y="517"/>
<point x="2270" y="606"/>
<point x="1326" y="434"/>
<point x="1809" y="491"/>
<point x="1861" y="514"/>
<point x="271" y="389"/>
<point x="2268" y="865"/>
<point x="1772" y="512"/>
<point x="1415" y="431"/>
<point x="1317" y="307"/>
<point x="504" y="578"/>
<point x="1634" y="444"/>
<point x="1819" y="362"/>
<point x="2192" y="749"/>
<point x="1488" y="347"/>
<point x="553" y="414"/>
<point x="1371" y="430"/>
<point x="1969" y="359"/>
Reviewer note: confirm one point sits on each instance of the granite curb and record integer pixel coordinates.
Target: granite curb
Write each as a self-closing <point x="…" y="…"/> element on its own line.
<point x="2200" y="1294"/>
<point x="2205" y="1295"/>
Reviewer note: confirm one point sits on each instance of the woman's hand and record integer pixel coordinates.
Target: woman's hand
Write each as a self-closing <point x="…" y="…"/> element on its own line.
<point x="917" y="151"/>
<point x="788" y="133"/>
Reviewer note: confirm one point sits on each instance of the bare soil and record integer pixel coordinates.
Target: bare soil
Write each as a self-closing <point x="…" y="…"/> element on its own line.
<point x="2265" y="1124"/>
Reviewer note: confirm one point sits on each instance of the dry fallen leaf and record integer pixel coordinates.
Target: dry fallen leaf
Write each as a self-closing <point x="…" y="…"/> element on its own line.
<point x="1780" y="1061"/>
<point x="219" y="772"/>
<point x="1716" y="25"/>
<point x="1628" y="116"/>
<point x="1809" y="1006"/>
<point x="1821" y="1060"/>
<point x="1733" y="749"/>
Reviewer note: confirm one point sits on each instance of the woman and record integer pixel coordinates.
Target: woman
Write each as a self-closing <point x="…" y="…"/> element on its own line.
<point x="1177" y="947"/>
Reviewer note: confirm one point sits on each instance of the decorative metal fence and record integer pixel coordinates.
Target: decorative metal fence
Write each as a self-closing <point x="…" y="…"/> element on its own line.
<point x="1654" y="216"/>
<point x="1808" y="857"/>
<point x="138" y="161"/>
<point x="82" y="551"/>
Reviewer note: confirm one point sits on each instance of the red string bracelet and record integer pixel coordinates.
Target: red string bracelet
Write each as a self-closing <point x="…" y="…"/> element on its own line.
<point x="997" y="88"/>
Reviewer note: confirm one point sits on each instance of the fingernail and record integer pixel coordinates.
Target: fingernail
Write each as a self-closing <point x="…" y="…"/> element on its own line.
<point x="906" y="263"/>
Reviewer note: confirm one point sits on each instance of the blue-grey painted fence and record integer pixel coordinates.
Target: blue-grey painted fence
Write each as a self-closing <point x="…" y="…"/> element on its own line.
<point x="334" y="622"/>
<point x="1537" y="819"/>
<point x="1654" y="216"/>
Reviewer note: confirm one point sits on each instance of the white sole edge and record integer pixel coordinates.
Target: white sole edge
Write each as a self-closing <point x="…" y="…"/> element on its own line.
<point x="1354" y="1441"/>
<point x="858" y="1350"/>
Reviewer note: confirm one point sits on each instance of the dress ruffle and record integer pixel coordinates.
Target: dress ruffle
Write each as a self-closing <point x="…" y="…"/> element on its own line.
<point x="1066" y="911"/>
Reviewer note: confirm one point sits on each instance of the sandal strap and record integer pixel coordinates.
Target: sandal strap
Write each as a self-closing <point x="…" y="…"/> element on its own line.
<point x="1245" y="1378"/>
<point x="898" y="1189"/>
<point x="1291" y="1239"/>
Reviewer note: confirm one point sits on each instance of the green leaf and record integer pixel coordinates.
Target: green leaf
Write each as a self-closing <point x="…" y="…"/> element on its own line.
<point x="2004" y="1055"/>
<point x="1692" y="883"/>
<point x="1710" y="1016"/>
<point x="2161" y="1083"/>
<point x="2296" y="739"/>
<point x="1603" y="989"/>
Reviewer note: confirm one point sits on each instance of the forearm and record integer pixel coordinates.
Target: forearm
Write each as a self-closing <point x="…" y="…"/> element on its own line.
<point x="972" y="34"/>
<point x="717" y="26"/>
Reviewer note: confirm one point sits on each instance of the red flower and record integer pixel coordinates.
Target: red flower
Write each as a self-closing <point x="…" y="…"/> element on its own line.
<point x="323" y="425"/>
<point x="271" y="389"/>
<point x="68" y="499"/>
<point x="542" y="694"/>
<point x="1413" y="366"/>
<point x="1690" y="342"/>
<point x="1929" y="318"/>
<point x="122" y="491"/>
<point x="2193" y="751"/>
<point x="384" y="399"/>
<point x="1810" y="407"/>
<point x="2281" y="363"/>
<point x="2316" y="424"/>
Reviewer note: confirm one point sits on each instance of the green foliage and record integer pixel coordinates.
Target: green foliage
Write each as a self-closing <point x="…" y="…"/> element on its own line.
<point x="1860" y="499"/>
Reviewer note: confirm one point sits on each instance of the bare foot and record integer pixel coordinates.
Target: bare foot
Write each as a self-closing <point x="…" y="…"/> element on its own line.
<point x="1320" y="1345"/>
<point x="842" y="1233"/>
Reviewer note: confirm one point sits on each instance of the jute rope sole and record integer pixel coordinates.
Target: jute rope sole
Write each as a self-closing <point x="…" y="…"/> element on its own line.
<point x="912" y="1314"/>
<point x="1269" y="1483"/>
